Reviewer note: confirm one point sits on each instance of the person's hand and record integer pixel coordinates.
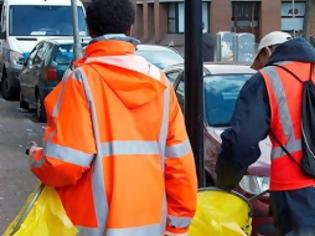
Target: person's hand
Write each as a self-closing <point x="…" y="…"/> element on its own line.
<point x="35" y="154"/>
<point x="32" y="149"/>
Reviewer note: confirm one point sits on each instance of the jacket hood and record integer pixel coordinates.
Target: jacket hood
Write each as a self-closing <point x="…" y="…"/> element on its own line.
<point x="294" y="50"/>
<point x="134" y="80"/>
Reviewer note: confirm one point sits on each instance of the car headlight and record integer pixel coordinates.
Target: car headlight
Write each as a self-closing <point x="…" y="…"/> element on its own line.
<point x="17" y="59"/>
<point x="254" y="184"/>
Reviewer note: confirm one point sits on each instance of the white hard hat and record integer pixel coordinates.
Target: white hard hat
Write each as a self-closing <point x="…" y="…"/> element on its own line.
<point x="273" y="38"/>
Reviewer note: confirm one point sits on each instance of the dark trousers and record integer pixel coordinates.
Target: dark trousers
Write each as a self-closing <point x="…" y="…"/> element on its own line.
<point x="302" y="232"/>
<point x="294" y="212"/>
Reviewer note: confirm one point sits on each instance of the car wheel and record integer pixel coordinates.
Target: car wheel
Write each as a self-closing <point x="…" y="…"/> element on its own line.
<point x="40" y="110"/>
<point x="23" y="104"/>
<point x="9" y="90"/>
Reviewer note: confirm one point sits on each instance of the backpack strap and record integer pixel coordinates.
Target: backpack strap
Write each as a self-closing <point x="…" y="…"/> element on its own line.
<point x="284" y="149"/>
<point x="311" y="71"/>
<point x="290" y="72"/>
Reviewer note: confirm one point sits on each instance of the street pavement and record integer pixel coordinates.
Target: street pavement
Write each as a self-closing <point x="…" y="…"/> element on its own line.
<point x="17" y="129"/>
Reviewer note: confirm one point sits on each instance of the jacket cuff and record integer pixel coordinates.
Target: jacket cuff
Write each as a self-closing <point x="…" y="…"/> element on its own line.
<point x="178" y="224"/>
<point x="167" y="233"/>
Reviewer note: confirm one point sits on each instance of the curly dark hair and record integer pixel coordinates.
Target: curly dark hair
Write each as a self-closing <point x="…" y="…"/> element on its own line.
<point x="110" y="16"/>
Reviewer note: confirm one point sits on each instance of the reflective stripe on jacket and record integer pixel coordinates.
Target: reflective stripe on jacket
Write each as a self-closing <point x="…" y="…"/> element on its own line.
<point x="285" y="98"/>
<point x="116" y="147"/>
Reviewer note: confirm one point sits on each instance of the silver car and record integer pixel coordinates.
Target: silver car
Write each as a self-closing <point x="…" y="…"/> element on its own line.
<point x="222" y="84"/>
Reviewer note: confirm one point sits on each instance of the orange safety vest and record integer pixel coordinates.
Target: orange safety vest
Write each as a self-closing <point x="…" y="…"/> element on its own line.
<point x="285" y="99"/>
<point x="116" y="147"/>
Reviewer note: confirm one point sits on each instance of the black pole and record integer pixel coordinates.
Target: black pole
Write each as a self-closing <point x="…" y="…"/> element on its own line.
<point x="194" y="83"/>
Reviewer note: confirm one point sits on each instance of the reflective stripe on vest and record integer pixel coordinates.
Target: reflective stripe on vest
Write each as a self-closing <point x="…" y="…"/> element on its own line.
<point x="130" y="148"/>
<point x="292" y="147"/>
<point x="58" y="103"/>
<point x="68" y="155"/>
<point x="122" y="148"/>
<point x="179" y="222"/>
<point x="162" y="141"/>
<point x="293" y="144"/>
<point x="178" y="150"/>
<point x="98" y="185"/>
<point x="148" y="230"/>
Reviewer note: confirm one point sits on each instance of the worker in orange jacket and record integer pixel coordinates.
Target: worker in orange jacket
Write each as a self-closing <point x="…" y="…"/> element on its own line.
<point x="115" y="147"/>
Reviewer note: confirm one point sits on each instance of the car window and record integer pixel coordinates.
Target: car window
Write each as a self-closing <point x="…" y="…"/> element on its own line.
<point x="180" y="91"/>
<point x="161" y="58"/>
<point x="221" y="93"/>
<point x="41" y="54"/>
<point x="44" y="20"/>
<point x="172" y="76"/>
<point x="64" y="54"/>
<point x="31" y="57"/>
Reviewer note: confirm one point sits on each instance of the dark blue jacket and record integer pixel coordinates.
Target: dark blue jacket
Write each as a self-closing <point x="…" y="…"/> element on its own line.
<point x="251" y="119"/>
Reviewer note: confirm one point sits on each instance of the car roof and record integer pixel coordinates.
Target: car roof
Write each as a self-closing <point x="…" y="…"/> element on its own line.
<point x="217" y="68"/>
<point x="151" y="47"/>
<point x="67" y="40"/>
<point x="41" y="2"/>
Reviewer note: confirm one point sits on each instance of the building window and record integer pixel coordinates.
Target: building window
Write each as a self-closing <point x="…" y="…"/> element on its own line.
<point x="292" y="17"/>
<point x="172" y="28"/>
<point x="205" y="17"/>
<point x="176" y="17"/>
<point x="245" y="17"/>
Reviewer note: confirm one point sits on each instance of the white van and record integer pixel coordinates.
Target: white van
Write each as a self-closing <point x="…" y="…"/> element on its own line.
<point x="23" y="24"/>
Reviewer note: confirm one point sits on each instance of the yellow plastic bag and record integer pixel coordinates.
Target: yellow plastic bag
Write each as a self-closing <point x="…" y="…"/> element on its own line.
<point x="42" y="215"/>
<point x="221" y="214"/>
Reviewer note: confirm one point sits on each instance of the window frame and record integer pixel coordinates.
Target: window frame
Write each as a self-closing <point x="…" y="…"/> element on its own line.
<point x="255" y="16"/>
<point x="291" y="17"/>
<point x="177" y="17"/>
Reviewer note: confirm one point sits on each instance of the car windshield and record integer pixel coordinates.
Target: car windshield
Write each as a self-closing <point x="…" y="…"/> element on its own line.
<point x="161" y="58"/>
<point x="44" y="21"/>
<point x="221" y="92"/>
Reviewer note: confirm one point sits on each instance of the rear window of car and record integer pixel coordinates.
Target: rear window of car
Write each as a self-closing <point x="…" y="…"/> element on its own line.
<point x="221" y="93"/>
<point x="161" y="58"/>
<point x="64" y="54"/>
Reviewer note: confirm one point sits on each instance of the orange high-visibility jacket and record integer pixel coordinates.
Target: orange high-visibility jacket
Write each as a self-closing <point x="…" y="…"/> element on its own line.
<point x="285" y="99"/>
<point x="116" y="147"/>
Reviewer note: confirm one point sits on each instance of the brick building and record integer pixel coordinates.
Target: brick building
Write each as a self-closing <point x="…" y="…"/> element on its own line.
<point x="162" y="21"/>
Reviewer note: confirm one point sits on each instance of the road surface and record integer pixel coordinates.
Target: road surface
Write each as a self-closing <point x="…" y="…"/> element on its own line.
<point x="17" y="129"/>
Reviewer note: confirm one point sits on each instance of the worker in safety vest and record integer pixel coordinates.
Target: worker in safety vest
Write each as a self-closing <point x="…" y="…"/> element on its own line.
<point x="116" y="147"/>
<point x="270" y="103"/>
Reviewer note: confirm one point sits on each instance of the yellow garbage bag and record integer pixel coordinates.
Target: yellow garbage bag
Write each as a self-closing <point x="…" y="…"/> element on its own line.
<point x="221" y="214"/>
<point x="42" y="215"/>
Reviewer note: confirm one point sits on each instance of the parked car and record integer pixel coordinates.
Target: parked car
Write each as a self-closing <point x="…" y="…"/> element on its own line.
<point x="43" y="70"/>
<point x="159" y="56"/>
<point x="23" y="25"/>
<point x="222" y="84"/>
